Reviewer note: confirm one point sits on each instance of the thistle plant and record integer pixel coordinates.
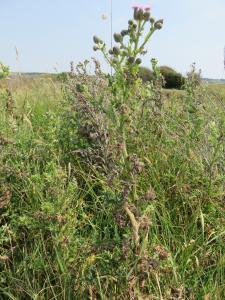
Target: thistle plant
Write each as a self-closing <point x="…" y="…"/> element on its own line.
<point x="125" y="56"/>
<point x="125" y="59"/>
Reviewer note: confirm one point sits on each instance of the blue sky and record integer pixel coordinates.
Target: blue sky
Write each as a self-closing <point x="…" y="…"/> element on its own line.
<point x="50" y="33"/>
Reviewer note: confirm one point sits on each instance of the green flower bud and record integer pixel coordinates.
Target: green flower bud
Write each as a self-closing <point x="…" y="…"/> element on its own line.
<point x="95" y="48"/>
<point x="110" y="51"/>
<point x="140" y="15"/>
<point x="131" y="59"/>
<point x="118" y="37"/>
<point x="116" y="50"/>
<point x="97" y="40"/>
<point x="131" y="22"/>
<point x="138" y="61"/>
<point x="159" y="24"/>
<point x="147" y="16"/>
<point x="124" y="32"/>
<point x="152" y="20"/>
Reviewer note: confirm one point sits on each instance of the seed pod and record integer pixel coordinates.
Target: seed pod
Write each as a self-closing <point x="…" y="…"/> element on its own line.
<point x="138" y="61"/>
<point x="97" y="40"/>
<point x="116" y="50"/>
<point x="118" y="37"/>
<point x="131" y="59"/>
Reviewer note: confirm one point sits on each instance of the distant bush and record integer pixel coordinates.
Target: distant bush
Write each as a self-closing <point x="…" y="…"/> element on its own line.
<point x="173" y="79"/>
<point x="145" y="74"/>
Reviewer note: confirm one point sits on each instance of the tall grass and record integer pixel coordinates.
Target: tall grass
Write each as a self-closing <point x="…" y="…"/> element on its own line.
<point x="64" y="233"/>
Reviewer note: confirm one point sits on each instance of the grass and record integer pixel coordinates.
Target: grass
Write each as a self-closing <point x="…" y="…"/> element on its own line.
<point x="64" y="233"/>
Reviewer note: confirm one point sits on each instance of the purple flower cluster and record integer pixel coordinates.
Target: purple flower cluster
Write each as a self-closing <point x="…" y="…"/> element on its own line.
<point x="141" y="12"/>
<point x="141" y="7"/>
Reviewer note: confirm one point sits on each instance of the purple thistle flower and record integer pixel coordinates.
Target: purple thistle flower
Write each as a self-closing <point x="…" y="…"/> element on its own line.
<point x="142" y="7"/>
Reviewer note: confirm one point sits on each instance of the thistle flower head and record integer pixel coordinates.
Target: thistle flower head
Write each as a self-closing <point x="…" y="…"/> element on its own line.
<point x="140" y="10"/>
<point x="141" y="7"/>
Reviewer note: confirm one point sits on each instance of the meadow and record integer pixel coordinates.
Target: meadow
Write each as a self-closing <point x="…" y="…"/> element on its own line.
<point x="111" y="188"/>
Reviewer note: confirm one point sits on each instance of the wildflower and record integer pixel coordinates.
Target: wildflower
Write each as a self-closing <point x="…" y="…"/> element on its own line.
<point x="142" y="7"/>
<point x="140" y="10"/>
<point x="138" y="14"/>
